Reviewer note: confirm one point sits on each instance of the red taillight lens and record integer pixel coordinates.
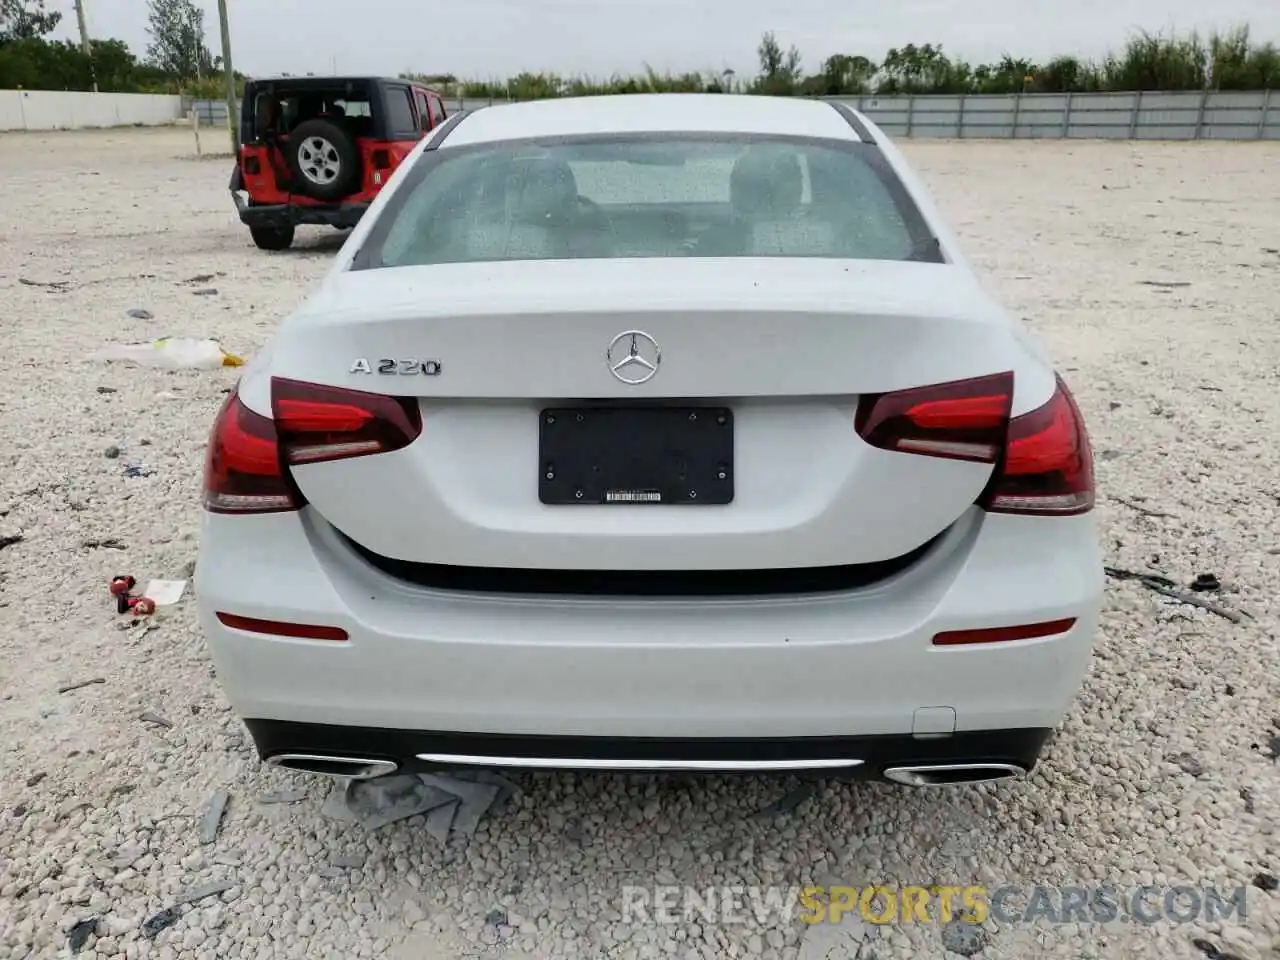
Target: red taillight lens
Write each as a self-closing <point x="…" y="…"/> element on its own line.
<point x="317" y="423"/>
<point x="961" y="420"/>
<point x="1047" y="469"/>
<point x="1044" y="462"/>
<point x="382" y="159"/>
<point x="242" y="472"/>
<point x="245" y="467"/>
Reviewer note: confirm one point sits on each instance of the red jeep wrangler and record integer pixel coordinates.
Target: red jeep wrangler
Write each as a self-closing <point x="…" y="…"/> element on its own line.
<point x="318" y="149"/>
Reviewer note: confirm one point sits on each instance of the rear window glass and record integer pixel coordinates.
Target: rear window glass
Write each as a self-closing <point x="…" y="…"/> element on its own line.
<point x="352" y="108"/>
<point x="401" y="120"/>
<point x="282" y="109"/>
<point x="649" y="196"/>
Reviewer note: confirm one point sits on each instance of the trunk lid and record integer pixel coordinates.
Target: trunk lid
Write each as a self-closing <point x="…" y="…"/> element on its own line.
<point x="785" y="347"/>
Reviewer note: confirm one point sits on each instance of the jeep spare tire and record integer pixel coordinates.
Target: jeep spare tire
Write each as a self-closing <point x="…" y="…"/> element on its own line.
<point x="325" y="162"/>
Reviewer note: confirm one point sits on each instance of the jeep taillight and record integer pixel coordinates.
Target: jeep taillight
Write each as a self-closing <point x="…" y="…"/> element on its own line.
<point x="246" y="466"/>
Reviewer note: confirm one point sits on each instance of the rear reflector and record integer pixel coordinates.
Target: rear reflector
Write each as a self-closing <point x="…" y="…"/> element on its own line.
<point x="1047" y="468"/>
<point x="280" y="628"/>
<point x="1029" y="631"/>
<point x="960" y="420"/>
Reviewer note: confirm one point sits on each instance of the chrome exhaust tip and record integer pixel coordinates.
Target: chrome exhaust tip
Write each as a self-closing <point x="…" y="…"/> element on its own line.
<point x="342" y="768"/>
<point x="953" y="774"/>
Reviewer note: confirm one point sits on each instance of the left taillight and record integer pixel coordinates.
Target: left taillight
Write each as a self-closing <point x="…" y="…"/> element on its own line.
<point x="242" y="469"/>
<point x="246" y="466"/>
<point x="316" y="424"/>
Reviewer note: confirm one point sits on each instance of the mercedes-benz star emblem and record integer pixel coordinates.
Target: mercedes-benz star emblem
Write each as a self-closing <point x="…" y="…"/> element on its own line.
<point x="633" y="357"/>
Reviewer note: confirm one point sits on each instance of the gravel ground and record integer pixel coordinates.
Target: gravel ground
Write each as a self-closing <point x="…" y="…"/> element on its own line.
<point x="1151" y="271"/>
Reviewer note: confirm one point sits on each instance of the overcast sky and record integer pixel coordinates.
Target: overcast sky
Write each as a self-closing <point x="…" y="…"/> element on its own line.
<point x="496" y="38"/>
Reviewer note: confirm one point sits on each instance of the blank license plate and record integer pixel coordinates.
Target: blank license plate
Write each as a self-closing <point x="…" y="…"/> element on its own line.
<point x="630" y="455"/>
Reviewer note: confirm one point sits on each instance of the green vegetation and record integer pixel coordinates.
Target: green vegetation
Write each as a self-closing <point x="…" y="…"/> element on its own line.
<point x="178" y="60"/>
<point x="1230" y="61"/>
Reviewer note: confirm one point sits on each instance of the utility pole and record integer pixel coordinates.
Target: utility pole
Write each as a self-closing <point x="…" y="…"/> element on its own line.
<point x="231" y="75"/>
<point x="84" y="40"/>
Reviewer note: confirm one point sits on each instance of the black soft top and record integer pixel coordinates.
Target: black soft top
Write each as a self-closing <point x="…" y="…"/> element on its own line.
<point x="305" y="83"/>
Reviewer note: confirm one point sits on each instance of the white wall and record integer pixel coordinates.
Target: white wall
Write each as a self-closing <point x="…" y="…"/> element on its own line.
<point x="66" y="110"/>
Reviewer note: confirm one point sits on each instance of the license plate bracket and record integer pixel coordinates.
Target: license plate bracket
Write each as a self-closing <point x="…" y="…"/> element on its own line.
<point x="636" y="455"/>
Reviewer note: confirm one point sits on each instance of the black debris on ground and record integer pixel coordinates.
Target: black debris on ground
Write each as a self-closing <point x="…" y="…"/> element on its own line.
<point x="78" y="935"/>
<point x="154" y="924"/>
<point x="965" y="938"/>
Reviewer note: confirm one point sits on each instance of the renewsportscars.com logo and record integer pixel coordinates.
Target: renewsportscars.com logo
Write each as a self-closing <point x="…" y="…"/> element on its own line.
<point x="935" y="903"/>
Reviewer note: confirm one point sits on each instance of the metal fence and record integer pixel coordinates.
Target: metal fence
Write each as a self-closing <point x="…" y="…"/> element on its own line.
<point x="1194" y="115"/>
<point x="211" y="113"/>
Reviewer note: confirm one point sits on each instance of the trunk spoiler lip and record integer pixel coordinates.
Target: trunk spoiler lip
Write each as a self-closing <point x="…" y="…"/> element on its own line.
<point x="854" y="121"/>
<point x="440" y="133"/>
<point x="453" y="290"/>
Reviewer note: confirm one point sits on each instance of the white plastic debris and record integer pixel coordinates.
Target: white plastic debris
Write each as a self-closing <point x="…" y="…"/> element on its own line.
<point x="172" y="353"/>
<point x="165" y="592"/>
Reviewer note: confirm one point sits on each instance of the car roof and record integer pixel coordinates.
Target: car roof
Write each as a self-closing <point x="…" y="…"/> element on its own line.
<point x="652" y="113"/>
<point x="334" y="81"/>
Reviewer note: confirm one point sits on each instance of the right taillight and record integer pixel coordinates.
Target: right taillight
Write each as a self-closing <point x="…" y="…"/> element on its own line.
<point x="959" y="420"/>
<point x="1047" y="466"/>
<point x="246" y="466"/>
<point x="1043" y="463"/>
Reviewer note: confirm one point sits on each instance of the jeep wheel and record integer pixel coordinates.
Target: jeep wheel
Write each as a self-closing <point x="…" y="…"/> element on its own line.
<point x="272" y="238"/>
<point x="324" y="159"/>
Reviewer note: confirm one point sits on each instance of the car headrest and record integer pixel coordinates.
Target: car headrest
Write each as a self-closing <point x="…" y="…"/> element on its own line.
<point x="541" y="187"/>
<point x="766" y="180"/>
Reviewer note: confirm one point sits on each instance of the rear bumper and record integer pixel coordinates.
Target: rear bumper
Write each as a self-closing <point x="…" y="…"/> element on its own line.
<point x="412" y="750"/>
<point x="756" y="670"/>
<point x="297" y="214"/>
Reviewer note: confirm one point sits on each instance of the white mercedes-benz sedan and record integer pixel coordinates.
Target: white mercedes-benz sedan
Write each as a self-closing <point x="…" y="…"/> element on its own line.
<point x="652" y="432"/>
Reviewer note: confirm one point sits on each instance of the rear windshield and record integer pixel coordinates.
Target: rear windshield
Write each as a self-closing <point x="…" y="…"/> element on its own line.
<point x="649" y="196"/>
<point x="275" y="110"/>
